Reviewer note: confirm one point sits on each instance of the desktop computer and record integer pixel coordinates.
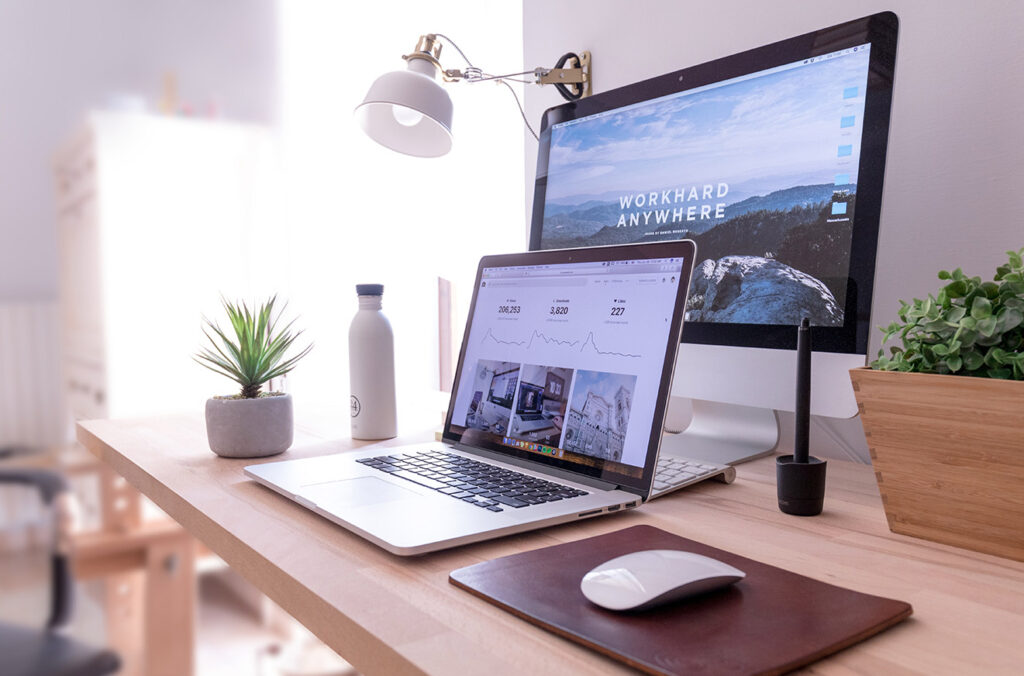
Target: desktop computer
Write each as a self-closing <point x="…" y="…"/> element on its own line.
<point x="772" y="161"/>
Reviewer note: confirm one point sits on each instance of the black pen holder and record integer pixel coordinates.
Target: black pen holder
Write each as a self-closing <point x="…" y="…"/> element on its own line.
<point x="801" y="485"/>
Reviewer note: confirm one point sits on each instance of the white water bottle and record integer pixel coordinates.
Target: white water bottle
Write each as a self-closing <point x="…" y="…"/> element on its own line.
<point x="371" y="361"/>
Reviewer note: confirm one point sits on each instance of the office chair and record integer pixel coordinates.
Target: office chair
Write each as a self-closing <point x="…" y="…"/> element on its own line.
<point x="26" y="651"/>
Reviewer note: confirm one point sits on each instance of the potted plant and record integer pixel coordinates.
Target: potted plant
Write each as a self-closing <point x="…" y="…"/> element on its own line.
<point x="943" y="413"/>
<point x="250" y="424"/>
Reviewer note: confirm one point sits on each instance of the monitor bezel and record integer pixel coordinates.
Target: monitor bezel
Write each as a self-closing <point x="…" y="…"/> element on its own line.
<point x="603" y="470"/>
<point x="881" y="31"/>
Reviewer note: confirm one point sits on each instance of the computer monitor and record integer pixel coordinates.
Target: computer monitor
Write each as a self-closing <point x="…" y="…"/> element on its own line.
<point x="772" y="161"/>
<point x="530" y="399"/>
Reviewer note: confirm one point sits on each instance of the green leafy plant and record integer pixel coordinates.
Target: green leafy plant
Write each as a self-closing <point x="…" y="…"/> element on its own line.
<point x="971" y="327"/>
<point x="254" y="355"/>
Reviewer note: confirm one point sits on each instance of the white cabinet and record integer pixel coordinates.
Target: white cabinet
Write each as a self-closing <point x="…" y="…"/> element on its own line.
<point x="157" y="218"/>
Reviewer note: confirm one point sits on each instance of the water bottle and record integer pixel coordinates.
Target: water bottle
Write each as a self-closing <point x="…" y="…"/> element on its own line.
<point x="371" y="361"/>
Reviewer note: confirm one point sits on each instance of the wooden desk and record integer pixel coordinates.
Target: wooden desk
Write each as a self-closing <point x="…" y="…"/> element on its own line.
<point x="392" y="615"/>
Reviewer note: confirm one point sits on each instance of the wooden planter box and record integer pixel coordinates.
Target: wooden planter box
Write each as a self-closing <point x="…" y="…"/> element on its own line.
<point x="948" y="454"/>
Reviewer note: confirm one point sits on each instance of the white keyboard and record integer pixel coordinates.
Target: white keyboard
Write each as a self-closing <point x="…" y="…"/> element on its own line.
<point x="674" y="473"/>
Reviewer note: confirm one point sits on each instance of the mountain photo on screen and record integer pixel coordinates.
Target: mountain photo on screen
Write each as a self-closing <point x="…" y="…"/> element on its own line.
<point x="760" y="171"/>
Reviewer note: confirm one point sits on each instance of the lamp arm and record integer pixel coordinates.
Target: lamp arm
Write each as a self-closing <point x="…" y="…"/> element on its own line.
<point x="429" y="49"/>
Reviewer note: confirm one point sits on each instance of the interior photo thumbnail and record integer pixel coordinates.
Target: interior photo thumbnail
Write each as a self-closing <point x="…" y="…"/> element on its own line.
<point x="541" y="404"/>
<point x="493" y="393"/>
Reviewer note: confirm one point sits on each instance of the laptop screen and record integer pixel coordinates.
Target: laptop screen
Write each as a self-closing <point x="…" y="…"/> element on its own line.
<point x="568" y="355"/>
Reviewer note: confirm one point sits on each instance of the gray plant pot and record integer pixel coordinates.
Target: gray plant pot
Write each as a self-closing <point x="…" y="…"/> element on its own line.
<point x="249" y="428"/>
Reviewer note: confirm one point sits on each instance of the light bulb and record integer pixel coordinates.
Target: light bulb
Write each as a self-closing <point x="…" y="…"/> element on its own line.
<point x="407" y="117"/>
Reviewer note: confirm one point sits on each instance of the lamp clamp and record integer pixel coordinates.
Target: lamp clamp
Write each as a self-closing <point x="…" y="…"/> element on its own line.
<point x="579" y="75"/>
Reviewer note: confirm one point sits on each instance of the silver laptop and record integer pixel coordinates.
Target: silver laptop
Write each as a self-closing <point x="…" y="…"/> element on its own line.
<point x="556" y="412"/>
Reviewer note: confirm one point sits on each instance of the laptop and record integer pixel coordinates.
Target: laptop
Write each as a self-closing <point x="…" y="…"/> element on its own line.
<point x="555" y="415"/>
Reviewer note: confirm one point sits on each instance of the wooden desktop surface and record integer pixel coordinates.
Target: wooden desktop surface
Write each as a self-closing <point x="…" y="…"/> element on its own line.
<point x="391" y="615"/>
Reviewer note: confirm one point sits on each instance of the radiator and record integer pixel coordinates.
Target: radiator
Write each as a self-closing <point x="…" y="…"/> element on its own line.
<point x="31" y="400"/>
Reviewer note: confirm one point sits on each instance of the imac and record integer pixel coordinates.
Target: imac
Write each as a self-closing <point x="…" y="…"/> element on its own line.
<point x="772" y="161"/>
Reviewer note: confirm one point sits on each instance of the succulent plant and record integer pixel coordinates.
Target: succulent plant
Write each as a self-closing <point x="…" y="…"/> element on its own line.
<point x="971" y="327"/>
<point x="256" y="354"/>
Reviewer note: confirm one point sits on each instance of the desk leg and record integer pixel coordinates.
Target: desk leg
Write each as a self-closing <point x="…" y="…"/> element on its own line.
<point x="171" y="607"/>
<point x="125" y="606"/>
<point x="120" y="503"/>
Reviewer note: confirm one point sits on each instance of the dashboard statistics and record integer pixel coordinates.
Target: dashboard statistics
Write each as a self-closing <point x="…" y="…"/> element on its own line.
<point x="566" y="360"/>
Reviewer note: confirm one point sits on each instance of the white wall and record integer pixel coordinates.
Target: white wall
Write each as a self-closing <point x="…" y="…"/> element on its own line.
<point x="356" y="212"/>
<point x="63" y="58"/>
<point x="953" y="165"/>
<point x="360" y="213"/>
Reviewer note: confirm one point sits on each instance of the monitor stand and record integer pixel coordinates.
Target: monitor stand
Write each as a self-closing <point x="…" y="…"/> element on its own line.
<point x="726" y="434"/>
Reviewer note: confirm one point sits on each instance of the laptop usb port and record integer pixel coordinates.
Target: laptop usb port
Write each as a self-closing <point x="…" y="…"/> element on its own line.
<point x="613" y="508"/>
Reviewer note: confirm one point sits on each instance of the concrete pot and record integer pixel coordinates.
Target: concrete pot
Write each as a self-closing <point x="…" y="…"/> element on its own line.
<point x="249" y="428"/>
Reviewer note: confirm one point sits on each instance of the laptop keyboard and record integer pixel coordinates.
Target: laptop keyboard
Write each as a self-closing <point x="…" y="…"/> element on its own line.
<point x="673" y="473"/>
<point x="478" y="483"/>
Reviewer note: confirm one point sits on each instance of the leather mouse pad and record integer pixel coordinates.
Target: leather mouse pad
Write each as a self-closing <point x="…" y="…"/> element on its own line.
<point x="771" y="622"/>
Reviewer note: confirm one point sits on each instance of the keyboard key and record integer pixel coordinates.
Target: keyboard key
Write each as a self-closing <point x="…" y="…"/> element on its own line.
<point x="511" y="502"/>
<point x="417" y="479"/>
<point x="462" y="494"/>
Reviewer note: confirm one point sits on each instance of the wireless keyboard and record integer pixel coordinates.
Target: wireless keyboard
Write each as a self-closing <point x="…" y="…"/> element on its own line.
<point x="674" y="473"/>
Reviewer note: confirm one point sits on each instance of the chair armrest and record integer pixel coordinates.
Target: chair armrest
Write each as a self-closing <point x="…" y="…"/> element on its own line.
<point x="55" y="492"/>
<point x="50" y="484"/>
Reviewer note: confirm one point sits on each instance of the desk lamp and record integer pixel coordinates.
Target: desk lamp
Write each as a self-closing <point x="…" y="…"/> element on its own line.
<point x="410" y="112"/>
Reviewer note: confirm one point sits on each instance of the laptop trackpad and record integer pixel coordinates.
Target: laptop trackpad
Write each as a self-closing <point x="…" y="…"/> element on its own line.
<point x="361" y="491"/>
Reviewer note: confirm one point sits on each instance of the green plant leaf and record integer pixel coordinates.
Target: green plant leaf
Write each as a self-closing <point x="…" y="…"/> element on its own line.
<point x="981" y="308"/>
<point x="254" y="354"/>
<point x="956" y="314"/>
<point x="987" y="326"/>
<point x="973" y="360"/>
<point x="957" y="289"/>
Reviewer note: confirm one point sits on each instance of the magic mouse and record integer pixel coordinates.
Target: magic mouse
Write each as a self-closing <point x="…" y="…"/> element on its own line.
<point x="654" y="577"/>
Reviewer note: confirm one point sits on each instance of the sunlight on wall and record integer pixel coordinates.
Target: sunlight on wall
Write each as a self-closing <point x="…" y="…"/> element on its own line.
<point x="358" y="212"/>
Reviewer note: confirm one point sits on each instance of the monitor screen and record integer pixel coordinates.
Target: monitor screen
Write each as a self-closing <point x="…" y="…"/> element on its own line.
<point x="530" y="398"/>
<point x="570" y="362"/>
<point x="770" y="160"/>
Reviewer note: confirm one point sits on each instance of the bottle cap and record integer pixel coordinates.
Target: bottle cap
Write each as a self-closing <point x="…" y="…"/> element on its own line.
<point x="369" y="289"/>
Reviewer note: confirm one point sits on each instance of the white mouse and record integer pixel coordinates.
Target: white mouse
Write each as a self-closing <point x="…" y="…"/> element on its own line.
<point x="650" y="578"/>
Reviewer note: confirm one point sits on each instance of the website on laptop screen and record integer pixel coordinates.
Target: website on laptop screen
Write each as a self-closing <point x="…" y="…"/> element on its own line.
<point x="566" y="360"/>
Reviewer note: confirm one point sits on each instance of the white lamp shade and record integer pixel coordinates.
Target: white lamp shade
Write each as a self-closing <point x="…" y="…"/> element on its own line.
<point x="408" y="111"/>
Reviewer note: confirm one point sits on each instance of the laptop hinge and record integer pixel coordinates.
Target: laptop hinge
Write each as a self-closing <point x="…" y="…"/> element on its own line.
<point x="595" y="483"/>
